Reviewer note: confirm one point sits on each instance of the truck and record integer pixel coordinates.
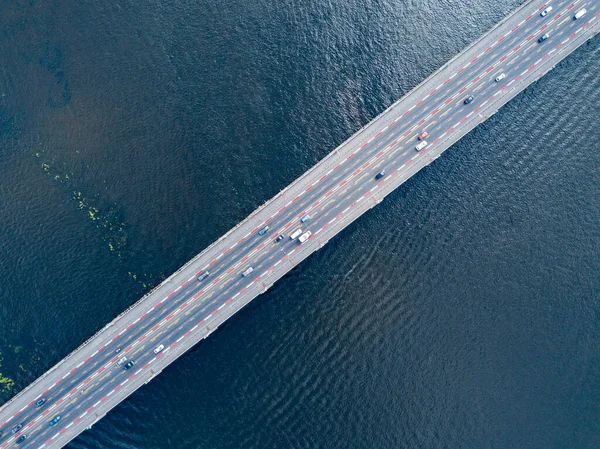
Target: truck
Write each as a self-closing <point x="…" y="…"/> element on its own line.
<point x="304" y="237"/>
<point x="296" y="233"/>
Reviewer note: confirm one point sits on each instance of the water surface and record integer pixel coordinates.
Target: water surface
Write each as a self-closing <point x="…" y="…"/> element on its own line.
<point x="460" y="313"/>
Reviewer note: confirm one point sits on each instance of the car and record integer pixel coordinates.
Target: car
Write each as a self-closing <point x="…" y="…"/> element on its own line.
<point x="118" y="350"/>
<point x="40" y="402"/>
<point x="121" y="361"/>
<point x="305" y="218"/>
<point x="500" y="77"/>
<point x="159" y="348"/>
<point x="579" y="14"/>
<point x="380" y="175"/>
<point x="423" y="135"/>
<point x="203" y="276"/>
<point x="468" y="99"/>
<point x="545" y="12"/>
<point x="421" y="145"/>
<point x="304" y="237"/>
<point x="129" y="364"/>
<point x="280" y="238"/>
<point x="543" y="37"/>
<point x="263" y="231"/>
<point x="247" y="271"/>
<point x="21" y="439"/>
<point x="16" y="428"/>
<point x="54" y="420"/>
<point x="296" y="233"/>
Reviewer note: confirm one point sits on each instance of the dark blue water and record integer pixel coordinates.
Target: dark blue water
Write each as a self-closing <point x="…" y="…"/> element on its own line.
<point x="460" y="313"/>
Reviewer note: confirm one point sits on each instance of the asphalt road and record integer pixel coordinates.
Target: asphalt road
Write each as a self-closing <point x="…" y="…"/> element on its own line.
<point x="183" y="310"/>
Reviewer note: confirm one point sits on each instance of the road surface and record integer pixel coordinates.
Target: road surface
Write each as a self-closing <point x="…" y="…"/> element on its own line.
<point x="83" y="387"/>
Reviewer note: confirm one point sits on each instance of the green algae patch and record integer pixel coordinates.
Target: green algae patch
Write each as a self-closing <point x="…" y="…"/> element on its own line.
<point x="6" y="384"/>
<point x="105" y="217"/>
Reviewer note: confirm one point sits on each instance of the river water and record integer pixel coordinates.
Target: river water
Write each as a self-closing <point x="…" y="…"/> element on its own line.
<point x="460" y="313"/>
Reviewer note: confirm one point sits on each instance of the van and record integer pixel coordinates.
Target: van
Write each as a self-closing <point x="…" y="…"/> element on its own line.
<point x="296" y="233"/>
<point x="304" y="237"/>
<point x="421" y="145"/>
<point x="579" y="14"/>
<point x="263" y="231"/>
<point x="203" y="276"/>
<point x="247" y="271"/>
<point x="305" y="218"/>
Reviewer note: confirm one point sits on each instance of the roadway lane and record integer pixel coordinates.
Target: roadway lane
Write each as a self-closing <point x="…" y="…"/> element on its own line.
<point x="334" y="193"/>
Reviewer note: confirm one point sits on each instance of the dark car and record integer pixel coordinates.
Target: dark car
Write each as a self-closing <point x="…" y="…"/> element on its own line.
<point x="40" y="402"/>
<point x="203" y="276"/>
<point x="16" y="428"/>
<point x="263" y="231"/>
<point x="468" y="99"/>
<point x="54" y="420"/>
<point x="543" y="37"/>
<point x="280" y="238"/>
<point x="21" y="439"/>
<point x="129" y="364"/>
<point x="380" y="175"/>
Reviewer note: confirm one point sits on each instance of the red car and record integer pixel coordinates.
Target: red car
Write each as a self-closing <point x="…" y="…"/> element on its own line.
<point x="423" y="135"/>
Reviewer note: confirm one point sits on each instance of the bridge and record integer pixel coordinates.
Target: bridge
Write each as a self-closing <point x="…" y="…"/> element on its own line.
<point x="356" y="176"/>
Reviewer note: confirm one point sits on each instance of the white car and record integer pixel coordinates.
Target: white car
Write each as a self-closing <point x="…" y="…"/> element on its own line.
<point x="500" y="77"/>
<point x="421" y="145"/>
<point x="579" y="14"/>
<point x="159" y="348"/>
<point x="545" y="12"/>
<point x="304" y="237"/>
